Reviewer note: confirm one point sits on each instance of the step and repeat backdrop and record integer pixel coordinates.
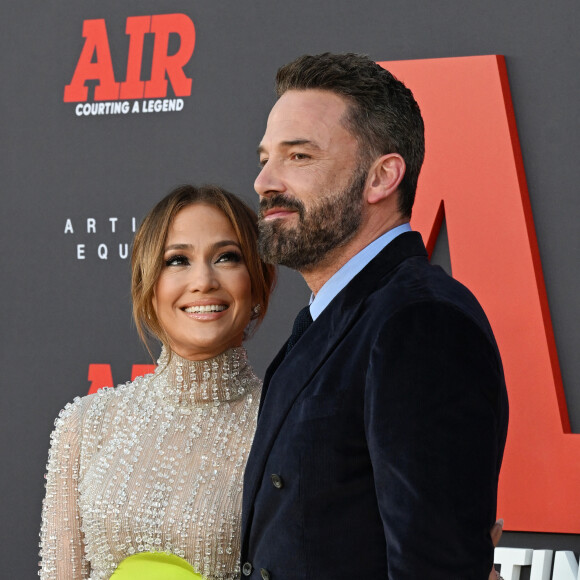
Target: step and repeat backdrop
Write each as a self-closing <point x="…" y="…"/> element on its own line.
<point x="107" y="106"/>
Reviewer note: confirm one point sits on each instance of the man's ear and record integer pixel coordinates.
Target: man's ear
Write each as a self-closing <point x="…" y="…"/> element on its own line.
<point x="385" y="175"/>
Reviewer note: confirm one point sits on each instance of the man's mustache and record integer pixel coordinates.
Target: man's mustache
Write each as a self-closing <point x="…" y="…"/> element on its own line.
<point x="282" y="202"/>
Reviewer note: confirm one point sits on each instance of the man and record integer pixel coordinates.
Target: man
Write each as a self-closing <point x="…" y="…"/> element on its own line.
<point x="382" y="427"/>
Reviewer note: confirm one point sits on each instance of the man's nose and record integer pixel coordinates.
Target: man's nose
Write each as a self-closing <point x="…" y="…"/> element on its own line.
<point x="269" y="181"/>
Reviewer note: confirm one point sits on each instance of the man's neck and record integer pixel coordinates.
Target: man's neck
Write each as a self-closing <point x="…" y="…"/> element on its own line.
<point x="321" y="272"/>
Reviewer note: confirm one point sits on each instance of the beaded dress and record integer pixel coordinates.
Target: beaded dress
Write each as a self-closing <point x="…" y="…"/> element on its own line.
<point x="153" y="465"/>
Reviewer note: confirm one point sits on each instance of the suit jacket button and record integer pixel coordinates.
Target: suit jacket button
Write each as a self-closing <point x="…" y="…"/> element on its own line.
<point x="247" y="569"/>
<point x="277" y="481"/>
<point x="265" y="574"/>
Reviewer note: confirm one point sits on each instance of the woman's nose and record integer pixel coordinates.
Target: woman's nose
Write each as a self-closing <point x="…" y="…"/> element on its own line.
<point x="203" y="278"/>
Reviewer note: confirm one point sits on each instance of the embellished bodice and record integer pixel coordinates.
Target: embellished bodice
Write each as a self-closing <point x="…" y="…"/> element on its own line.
<point x="153" y="465"/>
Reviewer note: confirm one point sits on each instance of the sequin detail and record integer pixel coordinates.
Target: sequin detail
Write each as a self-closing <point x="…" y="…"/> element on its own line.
<point x="153" y="465"/>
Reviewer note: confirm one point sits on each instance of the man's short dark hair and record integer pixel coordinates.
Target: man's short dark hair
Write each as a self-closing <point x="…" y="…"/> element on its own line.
<point x="383" y="114"/>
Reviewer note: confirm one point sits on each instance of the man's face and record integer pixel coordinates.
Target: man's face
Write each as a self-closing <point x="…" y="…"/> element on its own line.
<point x="311" y="185"/>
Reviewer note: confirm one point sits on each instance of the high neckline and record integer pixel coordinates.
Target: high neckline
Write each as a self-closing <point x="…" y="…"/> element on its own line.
<point x="225" y="377"/>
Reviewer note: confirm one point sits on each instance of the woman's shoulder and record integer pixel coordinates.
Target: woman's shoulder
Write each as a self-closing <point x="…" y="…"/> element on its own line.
<point x="74" y="413"/>
<point x="95" y="406"/>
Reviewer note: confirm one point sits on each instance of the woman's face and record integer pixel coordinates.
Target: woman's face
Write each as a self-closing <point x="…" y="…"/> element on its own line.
<point x="203" y="297"/>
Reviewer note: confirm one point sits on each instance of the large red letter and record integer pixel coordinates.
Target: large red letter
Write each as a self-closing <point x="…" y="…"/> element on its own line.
<point x="97" y="42"/>
<point x="136" y="28"/>
<point x="163" y="25"/>
<point x="142" y="370"/>
<point x="474" y="167"/>
<point x="99" y="376"/>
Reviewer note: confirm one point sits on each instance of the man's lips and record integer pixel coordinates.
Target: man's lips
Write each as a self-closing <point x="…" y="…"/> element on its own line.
<point x="277" y="212"/>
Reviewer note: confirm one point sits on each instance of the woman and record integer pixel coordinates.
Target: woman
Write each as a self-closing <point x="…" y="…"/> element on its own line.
<point x="146" y="480"/>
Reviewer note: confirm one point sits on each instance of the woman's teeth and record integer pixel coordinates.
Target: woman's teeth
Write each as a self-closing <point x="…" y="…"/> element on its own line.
<point x="206" y="308"/>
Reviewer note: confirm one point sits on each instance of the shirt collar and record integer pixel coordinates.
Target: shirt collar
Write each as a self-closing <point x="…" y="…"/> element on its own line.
<point x="341" y="278"/>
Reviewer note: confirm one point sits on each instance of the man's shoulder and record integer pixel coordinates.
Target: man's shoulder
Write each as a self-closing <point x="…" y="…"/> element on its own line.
<point x="399" y="280"/>
<point x="416" y="283"/>
<point x="403" y="268"/>
<point x="415" y="278"/>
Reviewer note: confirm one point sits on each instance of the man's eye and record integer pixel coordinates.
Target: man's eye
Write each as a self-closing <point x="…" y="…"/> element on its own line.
<point x="261" y="163"/>
<point x="229" y="257"/>
<point x="177" y="261"/>
<point x="300" y="156"/>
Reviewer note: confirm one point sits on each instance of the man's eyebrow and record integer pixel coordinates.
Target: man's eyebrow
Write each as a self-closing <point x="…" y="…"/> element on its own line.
<point x="292" y="143"/>
<point x="307" y="142"/>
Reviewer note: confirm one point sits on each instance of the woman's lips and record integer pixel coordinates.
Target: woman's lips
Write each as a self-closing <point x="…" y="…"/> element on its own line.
<point x="205" y="308"/>
<point x="205" y="311"/>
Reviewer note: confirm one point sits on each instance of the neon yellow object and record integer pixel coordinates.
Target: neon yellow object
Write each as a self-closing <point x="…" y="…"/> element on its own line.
<point x="155" y="566"/>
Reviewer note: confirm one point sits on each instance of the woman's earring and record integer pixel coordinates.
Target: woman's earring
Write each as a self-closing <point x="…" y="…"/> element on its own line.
<point x="256" y="310"/>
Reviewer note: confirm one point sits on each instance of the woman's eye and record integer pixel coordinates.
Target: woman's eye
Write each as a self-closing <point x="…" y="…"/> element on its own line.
<point x="229" y="257"/>
<point x="177" y="261"/>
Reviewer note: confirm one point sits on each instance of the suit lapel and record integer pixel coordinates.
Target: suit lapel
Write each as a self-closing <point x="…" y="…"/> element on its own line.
<point x="287" y="376"/>
<point x="270" y="371"/>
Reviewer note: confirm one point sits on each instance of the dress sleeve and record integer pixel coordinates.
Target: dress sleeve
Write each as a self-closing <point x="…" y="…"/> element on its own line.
<point x="62" y="549"/>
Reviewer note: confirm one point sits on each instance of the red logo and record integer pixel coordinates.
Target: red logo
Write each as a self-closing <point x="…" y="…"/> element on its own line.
<point x="95" y="62"/>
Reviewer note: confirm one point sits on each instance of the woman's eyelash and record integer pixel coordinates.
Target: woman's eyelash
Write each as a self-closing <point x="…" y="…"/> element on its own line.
<point x="179" y="260"/>
<point x="229" y="257"/>
<point x="176" y="261"/>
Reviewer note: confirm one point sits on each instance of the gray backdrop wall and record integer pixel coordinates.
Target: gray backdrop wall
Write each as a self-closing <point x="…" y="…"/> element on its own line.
<point x="61" y="313"/>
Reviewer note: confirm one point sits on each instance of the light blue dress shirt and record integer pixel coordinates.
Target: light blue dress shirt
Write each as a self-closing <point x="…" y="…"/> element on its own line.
<point x="341" y="278"/>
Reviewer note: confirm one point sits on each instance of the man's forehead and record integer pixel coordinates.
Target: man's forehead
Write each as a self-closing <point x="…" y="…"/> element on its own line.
<point x="308" y="117"/>
<point x="310" y="103"/>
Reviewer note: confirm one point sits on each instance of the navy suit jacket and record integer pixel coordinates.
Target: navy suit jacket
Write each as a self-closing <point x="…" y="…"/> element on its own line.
<point x="381" y="434"/>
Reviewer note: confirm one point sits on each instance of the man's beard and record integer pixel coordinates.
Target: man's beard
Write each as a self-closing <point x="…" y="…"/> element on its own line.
<point x="330" y="223"/>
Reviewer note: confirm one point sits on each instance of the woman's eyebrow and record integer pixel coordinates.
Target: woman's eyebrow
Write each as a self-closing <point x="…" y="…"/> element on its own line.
<point x="217" y="245"/>
<point x="223" y="243"/>
<point x="178" y="247"/>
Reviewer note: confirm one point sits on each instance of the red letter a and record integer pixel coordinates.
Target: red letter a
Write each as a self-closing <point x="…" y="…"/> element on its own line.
<point x="473" y="164"/>
<point x="97" y="43"/>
